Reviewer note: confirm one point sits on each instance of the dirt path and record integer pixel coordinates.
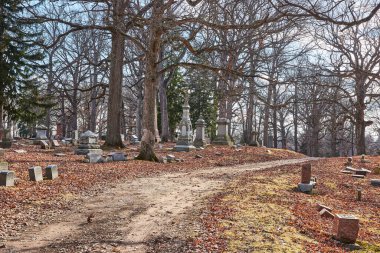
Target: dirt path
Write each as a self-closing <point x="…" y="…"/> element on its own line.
<point x="133" y="215"/>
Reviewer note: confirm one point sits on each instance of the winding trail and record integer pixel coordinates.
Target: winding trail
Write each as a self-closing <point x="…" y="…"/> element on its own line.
<point x="130" y="216"/>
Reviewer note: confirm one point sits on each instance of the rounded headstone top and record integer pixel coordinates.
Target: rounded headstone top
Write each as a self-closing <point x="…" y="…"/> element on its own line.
<point x="41" y="127"/>
<point x="88" y="133"/>
<point x="200" y="121"/>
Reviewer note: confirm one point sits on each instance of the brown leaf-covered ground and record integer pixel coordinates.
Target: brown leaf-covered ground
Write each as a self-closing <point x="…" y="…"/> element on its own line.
<point x="32" y="204"/>
<point x="263" y="211"/>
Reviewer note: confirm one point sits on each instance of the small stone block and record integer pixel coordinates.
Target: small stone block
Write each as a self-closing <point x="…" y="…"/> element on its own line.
<point x="3" y="166"/>
<point x="52" y="172"/>
<point x="307" y="188"/>
<point x="326" y="213"/>
<point x="375" y="182"/>
<point x="44" y="145"/>
<point x="35" y="173"/>
<point x="346" y="228"/>
<point x="198" y="156"/>
<point x="55" y="143"/>
<point x="357" y="176"/>
<point x="7" y="178"/>
<point x="163" y="160"/>
<point x="94" y="158"/>
<point x="118" y="156"/>
<point x="170" y="158"/>
<point x="320" y="207"/>
<point x="306" y="173"/>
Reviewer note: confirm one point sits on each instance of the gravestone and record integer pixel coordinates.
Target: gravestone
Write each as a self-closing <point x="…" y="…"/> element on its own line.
<point x="55" y="143"/>
<point x="88" y="143"/>
<point x="44" y="144"/>
<point x="254" y="142"/>
<point x="270" y="141"/>
<point x="306" y="184"/>
<point x="375" y="182"/>
<point x="185" y="139"/>
<point x="3" y="166"/>
<point x="94" y="158"/>
<point x="6" y="140"/>
<point x="170" y="158"/>
<point x="349" y="162"/>
<point x="35" y="173"/>
<point x="7" y="178"/>
<point x="200" y="138"/>
<point x="134" y="139"/>
<point x="118" y="156"/>
<point x="364" y="160"/>
<point x="41" y="132"/>
<point x="222" y="137"/>
<point x="346" y="228"/>
<point x="51" y="172"/>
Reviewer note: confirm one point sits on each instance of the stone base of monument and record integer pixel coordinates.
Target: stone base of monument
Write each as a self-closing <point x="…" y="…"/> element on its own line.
<point x="223" y="140"/>
<point x="254" y="144"/>
<point x="200" y="143"/>
<point x="87" y="151"/>
<point x="7" y="178"/>
<point x="306" y="188"/>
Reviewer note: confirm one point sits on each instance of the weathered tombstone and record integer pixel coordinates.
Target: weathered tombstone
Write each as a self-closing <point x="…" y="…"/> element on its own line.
<point x="59" y="133"/>
<point x="3" y="166"/>
<point x="326" y="213"/>
<point x="306" y="173"/>
<point x="170" y="158"/>
<point x="55" y="143"/>
<point x="134" y="139"/>
<point x="346" y="228"/>
<point x="6" y="141"/>
<point x="254" y="142"/>
<point x="7" y="178"/>
<point x="185" y="140"/>
<point x="222" y="137"/>
<point x="306" y="184"/>
<point x="200" y="138"/>
<point x="41" y="133"/>
<point x="51" y="172"/>
<point x="118" y="156"/>
<point x="375" y="182"/>
<point x="364" y="160"/>
<point x="88" y="143"/>
<point x="270" y="141"/>
<point x="44" y="144"/>
<point x="35" y="173"/>
<point x="349" y="162"/>
<point x="94" y="158"/>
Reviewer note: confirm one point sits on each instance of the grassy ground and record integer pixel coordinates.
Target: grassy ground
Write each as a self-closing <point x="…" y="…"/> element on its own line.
<point x="264" y="212"/>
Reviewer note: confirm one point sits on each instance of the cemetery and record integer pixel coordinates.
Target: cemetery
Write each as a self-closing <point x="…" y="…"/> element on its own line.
<point x="190" y="126"/>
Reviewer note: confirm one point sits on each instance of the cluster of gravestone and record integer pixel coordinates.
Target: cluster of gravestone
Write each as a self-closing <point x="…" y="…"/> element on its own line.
<point x="186" y="142"/>
<point x="360" y="173"/>
<point x="345" y="227"/>
<point x="8" y="177"/>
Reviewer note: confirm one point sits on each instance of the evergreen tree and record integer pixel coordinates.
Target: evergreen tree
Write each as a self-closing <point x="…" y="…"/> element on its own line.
<point x="19" y="58"/>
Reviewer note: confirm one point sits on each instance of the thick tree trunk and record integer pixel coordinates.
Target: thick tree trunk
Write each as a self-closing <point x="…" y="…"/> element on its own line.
<point x="151" y="85"/>
<point x="165" y="132"/>
<point x="113" y="137"/>
<point x="139" y="115"/>
<point x="360" y="126"/>
<point x="267" y="114"/>
<point x="92" y="118"/>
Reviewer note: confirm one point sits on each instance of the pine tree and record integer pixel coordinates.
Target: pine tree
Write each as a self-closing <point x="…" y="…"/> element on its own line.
<point x="19" y="58"/>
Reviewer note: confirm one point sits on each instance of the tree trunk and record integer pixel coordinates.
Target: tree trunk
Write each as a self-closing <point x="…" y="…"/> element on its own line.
<point x="165" y="132"/>
<point x="266" y="114"/>
<point x="113" y="137"/>
<point x="151" y="85"/>
<point x="360" y="128"/>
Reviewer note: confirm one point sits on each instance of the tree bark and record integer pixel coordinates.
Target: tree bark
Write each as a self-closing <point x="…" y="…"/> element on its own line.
<point x="151" y="85"/>
<point x="113" y="137"/>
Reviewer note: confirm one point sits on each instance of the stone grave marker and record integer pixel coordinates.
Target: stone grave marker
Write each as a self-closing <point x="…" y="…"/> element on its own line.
<point x="375" y="182"/>
<point x="349" y="162"/>
<point x="306" y="184"/>
<point x="364" y="160"/>
<point x="3" y="166"/>
<point x="222" y="137"/>
<point x="118" y="156"/>
<point x="94" y="158"/>
<point x="346" y="228"/>
<point x="7" y="178"/>
<point x="51" y="172"/>
<point x="44" y="144"/>
<point x="88" y="143"/>
<point x="185" y="139"/>
<point x="35" y="173"/>
<point x="170" y="158"/>
<point x="55" y="143"/>
<point x="200" y="137"/>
